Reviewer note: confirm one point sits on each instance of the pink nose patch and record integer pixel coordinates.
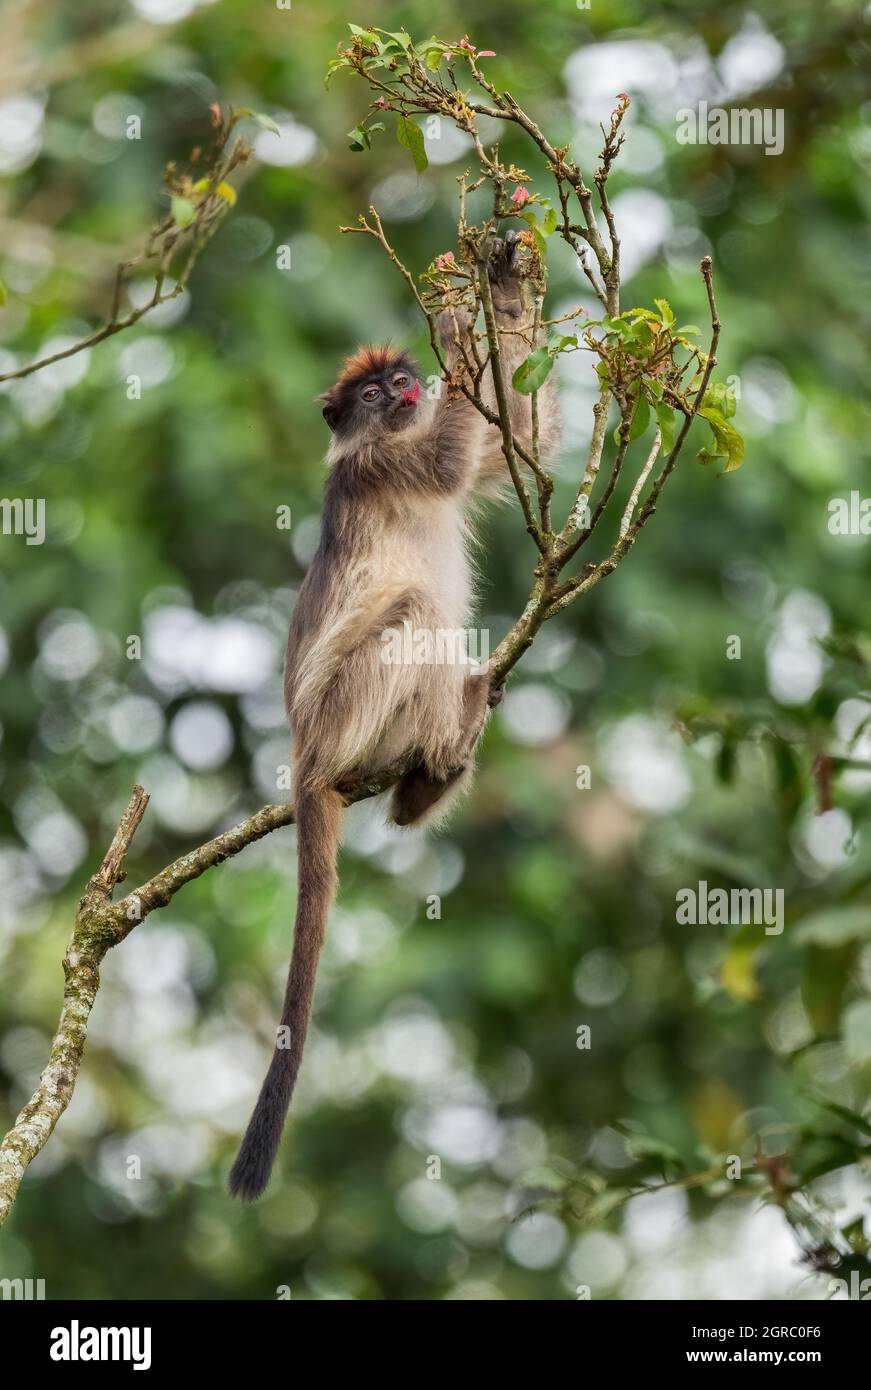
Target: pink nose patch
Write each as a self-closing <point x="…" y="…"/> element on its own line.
<point x="411" y="397"/>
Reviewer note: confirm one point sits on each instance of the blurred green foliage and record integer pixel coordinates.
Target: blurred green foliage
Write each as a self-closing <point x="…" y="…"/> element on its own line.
<point x="454" y="1038"/>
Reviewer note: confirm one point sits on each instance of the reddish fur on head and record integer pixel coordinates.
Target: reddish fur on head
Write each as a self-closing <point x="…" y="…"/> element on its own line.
<point x="368" y="360"/>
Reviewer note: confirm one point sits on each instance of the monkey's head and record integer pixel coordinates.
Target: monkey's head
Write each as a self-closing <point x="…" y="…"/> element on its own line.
<point x="378" y="392"/>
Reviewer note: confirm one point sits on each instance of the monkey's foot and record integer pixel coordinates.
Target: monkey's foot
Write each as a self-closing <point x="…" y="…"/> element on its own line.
<point x="348" y="784"/>
<point x="418" y="792"/>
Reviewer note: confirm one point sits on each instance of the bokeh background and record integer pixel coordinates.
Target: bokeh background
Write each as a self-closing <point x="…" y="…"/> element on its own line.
<point x="451" y="1039"/>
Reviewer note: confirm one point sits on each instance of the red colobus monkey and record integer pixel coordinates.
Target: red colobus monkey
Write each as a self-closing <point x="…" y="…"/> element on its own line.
<point x="405" y="471"/>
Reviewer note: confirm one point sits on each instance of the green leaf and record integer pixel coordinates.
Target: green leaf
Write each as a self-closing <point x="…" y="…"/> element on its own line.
<point x="620" y="327"/>
<point x="728" y="442"/>
<point x="399" y="39"/>
<point x="640" y="417"/>
<point x="532" y="222"/>
<point x="646" y="1146"/>
<point x="432" y="51"/>
<point x="823" y="1153"/>
<point x="721" y="397"/>
<point x="265" y="121"/>
<point x="332" y="68"/>
<point x="533" y="371"/>
<point x="548" y="226"/>
<point x="666" y="419"/>
<point x="665" y="311"/>
<point x="183" y="211"/>
<point x="368" y="34"/>
<point x="410" y="135"/>
<point x="3" y="294"/>
<point x="834" y="926"/>
<point x="359" y="138"/>
<point x="856" y="1031"/>
<point x="640" y="337"/>
<point x="687" y="328"/>
<point x="843" y="1112"/>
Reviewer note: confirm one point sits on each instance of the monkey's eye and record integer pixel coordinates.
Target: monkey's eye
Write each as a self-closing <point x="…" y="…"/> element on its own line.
<point x="401" y="380"/>
<point x="371" y="393"/>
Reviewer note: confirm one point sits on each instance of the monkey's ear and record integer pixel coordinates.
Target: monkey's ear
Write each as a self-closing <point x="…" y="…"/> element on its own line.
<point x="330" y="414"/>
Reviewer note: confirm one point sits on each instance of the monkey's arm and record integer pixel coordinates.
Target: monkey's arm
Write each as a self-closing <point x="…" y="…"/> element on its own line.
<point x="466" y="450"/>
<point x="513" y="292"/>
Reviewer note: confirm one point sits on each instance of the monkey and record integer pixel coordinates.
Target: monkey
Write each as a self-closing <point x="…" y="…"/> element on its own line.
<point x="404" y="475"/>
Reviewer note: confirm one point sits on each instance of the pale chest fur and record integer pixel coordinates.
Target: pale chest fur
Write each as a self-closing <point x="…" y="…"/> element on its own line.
<point x="428" y="546"/>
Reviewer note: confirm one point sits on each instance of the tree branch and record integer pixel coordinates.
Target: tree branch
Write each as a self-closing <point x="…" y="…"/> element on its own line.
<point x="101" y="923"/>
<point x="209" y="200"/>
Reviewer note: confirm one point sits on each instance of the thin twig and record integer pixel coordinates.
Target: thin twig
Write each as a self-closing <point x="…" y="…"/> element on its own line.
<point x="161" y="247"/>
<point x="642" y="479"/>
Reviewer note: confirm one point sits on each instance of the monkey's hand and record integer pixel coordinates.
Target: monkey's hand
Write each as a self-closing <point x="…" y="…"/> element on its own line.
<point x="516" y="275"/>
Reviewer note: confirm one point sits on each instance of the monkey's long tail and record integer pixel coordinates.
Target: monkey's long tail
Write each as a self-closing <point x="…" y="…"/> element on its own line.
<point x="318" y="825"/>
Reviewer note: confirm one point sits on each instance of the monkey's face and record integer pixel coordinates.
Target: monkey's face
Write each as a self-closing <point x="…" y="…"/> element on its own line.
<point x="389" y="400"/>
<point x="379" y="393"/>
